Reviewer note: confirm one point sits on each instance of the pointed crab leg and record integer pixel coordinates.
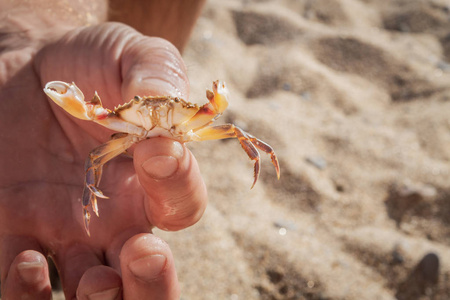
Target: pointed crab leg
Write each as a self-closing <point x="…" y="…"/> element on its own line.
<point x="248" y="142"/>
<point x="93" y="168"/>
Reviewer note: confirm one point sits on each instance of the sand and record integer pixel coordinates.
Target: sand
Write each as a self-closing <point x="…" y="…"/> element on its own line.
<point x="354" y="96"/>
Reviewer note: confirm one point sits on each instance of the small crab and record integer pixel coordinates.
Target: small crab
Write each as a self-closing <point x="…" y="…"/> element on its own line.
<point x="146" y="117"/>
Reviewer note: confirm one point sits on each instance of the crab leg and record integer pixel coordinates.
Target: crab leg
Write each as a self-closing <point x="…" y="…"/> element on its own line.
<point x="93" y="168"/>
<point x="248" y="142"/>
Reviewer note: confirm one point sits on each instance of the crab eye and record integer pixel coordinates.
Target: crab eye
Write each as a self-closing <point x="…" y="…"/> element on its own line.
<point x="137" y="99"/>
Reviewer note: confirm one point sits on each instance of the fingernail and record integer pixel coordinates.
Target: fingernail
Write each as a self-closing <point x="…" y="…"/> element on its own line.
<point x="160" y="167"/>
<point x="32" y="272"/>
<point x="110" y="294"/>
<point x="164" y="166"/>
<point x="148" y="268"/>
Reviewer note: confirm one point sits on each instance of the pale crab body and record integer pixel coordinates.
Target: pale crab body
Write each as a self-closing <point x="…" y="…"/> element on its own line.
<point x="146" y="117"/>
<point x="158" y="116"/>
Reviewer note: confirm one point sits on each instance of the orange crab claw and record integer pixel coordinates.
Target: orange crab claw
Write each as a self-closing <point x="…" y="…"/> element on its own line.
<point x="71" y="99"/>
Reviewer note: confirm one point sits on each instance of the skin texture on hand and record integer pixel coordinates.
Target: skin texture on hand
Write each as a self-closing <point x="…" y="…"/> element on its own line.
<point x="42" y="174"/>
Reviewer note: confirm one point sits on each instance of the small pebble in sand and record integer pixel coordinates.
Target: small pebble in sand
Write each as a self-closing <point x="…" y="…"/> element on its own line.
<point x="318" y="161"/>
<point x="287" y="225"/>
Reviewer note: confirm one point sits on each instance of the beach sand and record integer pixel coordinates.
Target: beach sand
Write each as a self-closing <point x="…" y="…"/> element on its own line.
<point x="354" y="96"/>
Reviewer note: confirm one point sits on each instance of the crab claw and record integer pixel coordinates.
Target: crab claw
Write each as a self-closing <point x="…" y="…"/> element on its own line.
<point x="71" y="99"/>
<point x="219" y="96"/>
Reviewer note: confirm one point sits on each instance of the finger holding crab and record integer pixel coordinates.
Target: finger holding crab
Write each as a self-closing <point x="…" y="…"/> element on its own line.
<point x="142" y="74"/>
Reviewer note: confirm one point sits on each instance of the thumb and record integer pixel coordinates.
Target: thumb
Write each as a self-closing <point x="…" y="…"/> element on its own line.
<point x="175" y="192"/>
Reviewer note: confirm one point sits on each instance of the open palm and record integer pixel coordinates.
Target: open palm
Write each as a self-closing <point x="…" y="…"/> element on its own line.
<point x="42" y="172"/>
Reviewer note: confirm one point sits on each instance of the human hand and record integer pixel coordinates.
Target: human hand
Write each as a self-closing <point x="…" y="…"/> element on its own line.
<point x="42" y="160"/>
